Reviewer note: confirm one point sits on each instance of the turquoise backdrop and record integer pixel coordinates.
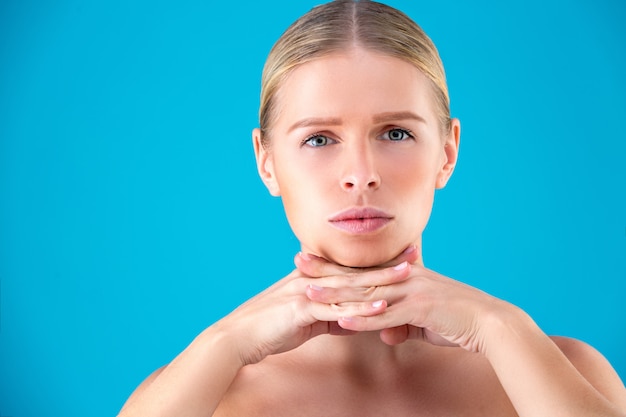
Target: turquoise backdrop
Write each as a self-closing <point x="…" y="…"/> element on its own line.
<point x="131" y="215"/>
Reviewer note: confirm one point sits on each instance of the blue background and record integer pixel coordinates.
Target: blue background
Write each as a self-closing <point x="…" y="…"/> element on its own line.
<point x="131" y="215"/>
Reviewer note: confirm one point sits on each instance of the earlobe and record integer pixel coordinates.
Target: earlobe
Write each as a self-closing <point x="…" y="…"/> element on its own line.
<point x="265" y="164"/>
<point x="451" y="152"/>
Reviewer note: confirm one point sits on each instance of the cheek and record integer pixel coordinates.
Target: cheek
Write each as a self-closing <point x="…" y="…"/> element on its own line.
<point x="297" y="179"/>
<point x="301" y="172"/>
<point x="411" y="174"/>
<point x="311" y="191"/>
<point x="410" y="184"/>
<point x="305" y="191"/>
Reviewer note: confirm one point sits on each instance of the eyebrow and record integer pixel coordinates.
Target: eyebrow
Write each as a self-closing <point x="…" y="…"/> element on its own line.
<point x="393" y="116"/>
<point x="378" y="118"/>
<point x="315" y="121"/>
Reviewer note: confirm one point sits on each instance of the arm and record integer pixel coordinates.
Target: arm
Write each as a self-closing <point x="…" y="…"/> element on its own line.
<point x="192" y="384"/>
<point x="540" y="377"/>
<point x="279" y="319"/>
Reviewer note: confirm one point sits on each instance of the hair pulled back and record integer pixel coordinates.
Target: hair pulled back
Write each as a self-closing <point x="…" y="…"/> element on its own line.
<point x="343" y="24"/>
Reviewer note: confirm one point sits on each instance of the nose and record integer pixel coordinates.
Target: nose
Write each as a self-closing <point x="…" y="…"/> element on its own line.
<point x="360" y="171"/>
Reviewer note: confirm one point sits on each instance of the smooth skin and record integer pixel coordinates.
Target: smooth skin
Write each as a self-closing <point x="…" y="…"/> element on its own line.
<point x="361" y="327"/>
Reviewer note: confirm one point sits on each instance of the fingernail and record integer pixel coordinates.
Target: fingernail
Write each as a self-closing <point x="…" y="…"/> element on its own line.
<point x="401" y="266"/>
<point x="315" y="287"/>
<point x="305" y="256"/>
<point x="348" y="319"/>
<point x="377" y="304"/>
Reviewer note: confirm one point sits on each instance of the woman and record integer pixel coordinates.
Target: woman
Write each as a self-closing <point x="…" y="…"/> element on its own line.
<point x="355" y="136"/>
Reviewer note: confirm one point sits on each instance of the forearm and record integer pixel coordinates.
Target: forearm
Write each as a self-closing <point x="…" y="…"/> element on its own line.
<point x="537" y="377"/>
<point x="193" y="384"/>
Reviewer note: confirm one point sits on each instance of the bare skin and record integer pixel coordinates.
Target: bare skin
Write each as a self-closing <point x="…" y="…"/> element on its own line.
<point x="413" y="379"/>
<point x="386" y="336"/>
<point x="416" y="379"/>
<point x="354" y="373"/>
<point x="345" y="373"/>
<point x="351" y="374"/>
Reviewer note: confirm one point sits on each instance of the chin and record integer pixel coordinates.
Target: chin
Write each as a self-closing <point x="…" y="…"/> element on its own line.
<point x="361" y="257"/>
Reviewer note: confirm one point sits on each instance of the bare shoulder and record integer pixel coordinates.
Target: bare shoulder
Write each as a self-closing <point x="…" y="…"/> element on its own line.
<point x="584" y="356"/>
<point x="594" y="367"/>
<point x="146" y="382"/>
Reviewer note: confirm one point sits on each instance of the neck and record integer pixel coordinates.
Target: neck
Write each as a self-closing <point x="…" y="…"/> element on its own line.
<point x="365" y="350"/>
<point x="414" y="258"/>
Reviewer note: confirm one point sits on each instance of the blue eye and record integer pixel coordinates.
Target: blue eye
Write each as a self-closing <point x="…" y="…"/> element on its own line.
<point x="397" y="135"/>
<point x="317" y="141"/>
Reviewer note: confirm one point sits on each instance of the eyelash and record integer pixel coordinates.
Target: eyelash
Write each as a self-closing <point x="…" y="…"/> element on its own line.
<point x="406" y="132"/>
<point x="306" y="141"/>
<point x="313" y="136"/>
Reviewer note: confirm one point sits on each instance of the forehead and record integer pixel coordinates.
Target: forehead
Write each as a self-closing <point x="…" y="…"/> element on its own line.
<point x="354" y="83"/>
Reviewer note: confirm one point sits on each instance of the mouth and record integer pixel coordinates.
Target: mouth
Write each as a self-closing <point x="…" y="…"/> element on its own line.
<point x="361" y="220"/>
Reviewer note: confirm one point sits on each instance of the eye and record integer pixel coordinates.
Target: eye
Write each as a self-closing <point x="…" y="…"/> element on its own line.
<point x="397" y="135"/>
<point x="318" y="141"/>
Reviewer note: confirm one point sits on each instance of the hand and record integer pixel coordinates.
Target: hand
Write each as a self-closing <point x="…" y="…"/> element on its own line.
<point x="425" y="305"/>
<point x="282" y="317"/>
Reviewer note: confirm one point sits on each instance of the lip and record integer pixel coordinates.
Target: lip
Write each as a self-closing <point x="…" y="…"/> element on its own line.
<point x="360" y="220"/>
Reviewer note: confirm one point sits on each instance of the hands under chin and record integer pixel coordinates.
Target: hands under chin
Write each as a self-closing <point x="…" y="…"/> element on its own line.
<point x="402" y="300"/>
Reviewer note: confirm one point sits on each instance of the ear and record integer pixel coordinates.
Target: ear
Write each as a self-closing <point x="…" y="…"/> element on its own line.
<point x="265" y="164"/>
<point x="451" y="153"/>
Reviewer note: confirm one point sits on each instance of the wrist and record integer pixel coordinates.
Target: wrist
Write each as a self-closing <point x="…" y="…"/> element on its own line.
<point x="222" y="338"/>
<point x="505" y="326"/>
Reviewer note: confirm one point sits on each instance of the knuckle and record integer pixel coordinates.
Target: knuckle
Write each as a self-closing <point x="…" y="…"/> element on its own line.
<point x="352" y="277"/>
<point x="370" y="292"/>
<point x="297" y="285"/>
<point x="336" y="308"/>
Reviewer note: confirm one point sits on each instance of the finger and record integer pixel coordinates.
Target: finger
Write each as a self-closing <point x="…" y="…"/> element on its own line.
<point x="316" y="267"/>
<point x="336" y="330"/>
<point x="342" y="295"/>
<point x="410" y="255"/>
<point x="392" y="333"/>
<point x="368" y="323"/>
<point x="395" y="335"/>
<point x="365" y="286"/>
<point x="329" y="327"/>
<point x="333" y="312"/>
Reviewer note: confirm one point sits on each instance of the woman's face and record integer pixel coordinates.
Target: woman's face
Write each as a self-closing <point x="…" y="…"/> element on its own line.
<point x="356" y="154"/>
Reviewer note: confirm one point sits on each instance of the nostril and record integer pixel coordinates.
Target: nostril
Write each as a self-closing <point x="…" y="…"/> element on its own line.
<point x="350" y="184"/>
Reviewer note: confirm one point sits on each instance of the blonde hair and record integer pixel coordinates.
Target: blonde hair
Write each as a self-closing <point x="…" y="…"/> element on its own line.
<point x="341" y="24"/>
